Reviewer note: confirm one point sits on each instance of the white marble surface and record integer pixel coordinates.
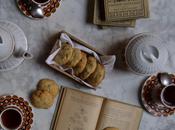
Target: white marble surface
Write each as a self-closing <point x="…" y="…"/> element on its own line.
<point x="120" y="84"/>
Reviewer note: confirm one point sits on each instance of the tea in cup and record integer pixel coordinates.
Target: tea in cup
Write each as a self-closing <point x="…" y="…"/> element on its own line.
<point x="11" y="118"/>
<point x="40" y="2"/>
<point x="168" y="96"/>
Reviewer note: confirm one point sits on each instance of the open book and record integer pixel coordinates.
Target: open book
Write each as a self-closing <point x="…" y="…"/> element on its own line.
<point x="81" y="111"/>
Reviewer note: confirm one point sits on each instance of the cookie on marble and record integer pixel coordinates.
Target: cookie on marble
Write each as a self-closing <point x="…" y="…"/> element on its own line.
<point x="89" y="68"/>
<point x="81" y="64"/>
<point x="64" y="55"/>
<point x="49" y="85"/>
<point x="97" y="76"/>
<point x="75" y="58"/>
<point x="111" y="128"/>
<point x="42" y="99"/>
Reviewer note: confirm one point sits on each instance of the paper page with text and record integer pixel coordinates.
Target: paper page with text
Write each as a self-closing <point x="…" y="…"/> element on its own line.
<point x="78" y="111"/>
<point x="119" y="115"/>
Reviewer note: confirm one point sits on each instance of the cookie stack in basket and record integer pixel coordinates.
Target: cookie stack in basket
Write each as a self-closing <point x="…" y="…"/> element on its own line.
<point x="84" y="65"/>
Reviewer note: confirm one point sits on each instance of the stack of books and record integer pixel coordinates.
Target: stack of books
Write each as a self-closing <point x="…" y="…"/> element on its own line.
<point x="119" y="13"/>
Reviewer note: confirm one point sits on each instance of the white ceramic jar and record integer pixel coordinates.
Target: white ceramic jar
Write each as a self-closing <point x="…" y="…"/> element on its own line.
<point x="146" y="54"/>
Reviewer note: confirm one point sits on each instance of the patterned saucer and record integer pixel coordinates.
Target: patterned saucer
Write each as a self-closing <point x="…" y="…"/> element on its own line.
<point x="21" y="104"/>
<point x="48" y="9"/>
<point x="150" y="105"/>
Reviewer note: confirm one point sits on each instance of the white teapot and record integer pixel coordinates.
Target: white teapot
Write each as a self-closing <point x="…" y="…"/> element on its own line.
<point x="13" y="46"/>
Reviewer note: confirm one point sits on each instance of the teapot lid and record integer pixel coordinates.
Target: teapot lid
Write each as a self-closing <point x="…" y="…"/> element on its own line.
<point x="6" y="44"/>
<point x="146" y="54"/>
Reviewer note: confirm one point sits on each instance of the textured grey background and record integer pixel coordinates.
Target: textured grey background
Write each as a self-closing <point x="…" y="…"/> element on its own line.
<point x="120" y="84"/>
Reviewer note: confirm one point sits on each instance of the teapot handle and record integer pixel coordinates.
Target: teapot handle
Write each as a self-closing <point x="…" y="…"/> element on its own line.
<point x="27" y="56"/>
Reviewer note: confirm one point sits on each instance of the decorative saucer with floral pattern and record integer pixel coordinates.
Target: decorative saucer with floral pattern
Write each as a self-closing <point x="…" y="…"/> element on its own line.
<point x="48" y="9"/>
<point x="22" y="105"/>
<point x="153" y="107"/>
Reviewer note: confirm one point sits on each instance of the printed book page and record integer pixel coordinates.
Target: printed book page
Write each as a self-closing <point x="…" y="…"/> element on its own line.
<point x="119" y="115"/>
<point x="78" y="111"/>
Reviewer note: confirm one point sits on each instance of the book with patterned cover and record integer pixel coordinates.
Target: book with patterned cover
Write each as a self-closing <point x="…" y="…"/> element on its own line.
<point x="116" y="10"/>
<point x="99" y="17"/>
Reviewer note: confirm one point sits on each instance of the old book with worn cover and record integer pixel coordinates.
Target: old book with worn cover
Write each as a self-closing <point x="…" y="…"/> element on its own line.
<point x="81" y="111"/>
<point x="99" y="17"/>
<point x="116" y="10"/>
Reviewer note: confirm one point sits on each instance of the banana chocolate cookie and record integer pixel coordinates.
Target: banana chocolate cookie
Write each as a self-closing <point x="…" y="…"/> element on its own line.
<point x="75" y="58"/>
<point x="97" y="76"/>
<point x="81" y="64"/>
<point x="48" y="85"/>
<point x="64" y="54"/>
<point x="89" y="68"/>
<point x="42" y="99"/>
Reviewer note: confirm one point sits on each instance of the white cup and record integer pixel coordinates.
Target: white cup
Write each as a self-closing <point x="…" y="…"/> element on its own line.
<point x="41" y="2"/>
<point x="167" y="96"/>
<point x="7" y="118"/>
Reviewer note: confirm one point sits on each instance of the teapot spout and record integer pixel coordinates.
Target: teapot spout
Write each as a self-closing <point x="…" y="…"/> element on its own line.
<point x="1" y="41"/>
<point x="27" y="56"/>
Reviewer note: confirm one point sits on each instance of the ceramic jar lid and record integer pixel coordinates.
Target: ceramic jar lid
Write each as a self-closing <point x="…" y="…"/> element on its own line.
<point x="6" y="44"/>
<point x="146" y="54"/>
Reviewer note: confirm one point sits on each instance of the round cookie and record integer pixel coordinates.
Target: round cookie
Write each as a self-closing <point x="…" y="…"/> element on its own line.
<point x="42" y="99"/>
<point x="97" y="76"/>
<point x="81" y="64"/>
<point x="75" y="58"/>
<point x="64" y="55"/>
<point x="48" y="85"/>
<point x="111" y="128"/>
<point x="89" y="69"/>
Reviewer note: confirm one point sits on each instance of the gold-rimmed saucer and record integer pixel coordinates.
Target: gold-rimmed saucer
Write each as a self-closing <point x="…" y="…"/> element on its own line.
<point x="48" y="9"/>
<point x="153" y="107"/>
